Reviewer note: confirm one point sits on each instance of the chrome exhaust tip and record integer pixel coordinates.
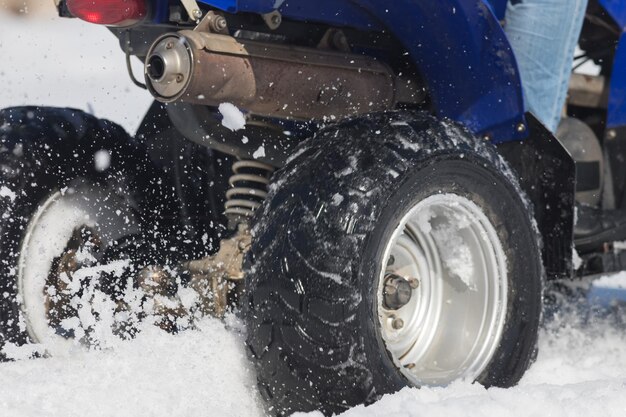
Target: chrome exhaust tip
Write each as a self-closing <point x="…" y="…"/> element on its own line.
<point x="168" y="67"/>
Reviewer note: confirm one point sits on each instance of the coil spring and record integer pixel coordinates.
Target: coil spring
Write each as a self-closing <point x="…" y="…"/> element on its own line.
<point x="249" y="189"/>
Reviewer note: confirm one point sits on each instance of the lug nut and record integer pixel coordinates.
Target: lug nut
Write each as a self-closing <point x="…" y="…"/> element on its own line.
<point x="397" y="323"/>
<point x="414" y="283"/>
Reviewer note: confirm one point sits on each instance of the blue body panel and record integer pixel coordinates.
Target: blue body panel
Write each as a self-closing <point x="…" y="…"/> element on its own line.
<point x="458" y="46"/>
<point x="616" y="116"/>
<point x="498" y="7"/>
<point x="160" y="10"/>
<point x="617" y="92"/>
<point x="617" y="10"/>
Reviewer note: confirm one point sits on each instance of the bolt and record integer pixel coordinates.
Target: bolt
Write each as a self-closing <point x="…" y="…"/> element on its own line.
<point x="487" y="137"/>
<point x="397" y="323"/>
<point x="521" y="127"/>
<point x="276" y="19"/>
<point x="611" y="134"/>
<point x="414" y="282"/>
<point x="340" y="41"/>
<point x="169" y="45"/>
<point x="179" y="78"/>
<point x="197" y="14"/>
<point x="219" y="23"/>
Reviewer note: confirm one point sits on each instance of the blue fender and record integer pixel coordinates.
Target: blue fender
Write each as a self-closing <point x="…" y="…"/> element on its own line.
<point x="616" y="113"/>
<point x="458" y="46"/>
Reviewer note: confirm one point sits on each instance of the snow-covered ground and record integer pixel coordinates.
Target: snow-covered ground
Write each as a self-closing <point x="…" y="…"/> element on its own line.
<point x="580" y="370"/>
<point x="199" y="373"/>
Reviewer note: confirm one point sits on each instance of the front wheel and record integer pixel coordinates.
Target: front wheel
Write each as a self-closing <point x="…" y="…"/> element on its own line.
<point x="398" y="250"/>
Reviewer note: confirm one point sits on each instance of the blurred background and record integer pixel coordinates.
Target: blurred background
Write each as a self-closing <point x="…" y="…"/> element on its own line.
<point x="47" y="60"/>
<point x="25" y="7"/>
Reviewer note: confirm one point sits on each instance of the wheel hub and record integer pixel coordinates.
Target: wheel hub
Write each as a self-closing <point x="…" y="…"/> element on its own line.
<point x="397" y="291"/>
<point x="442" y="291"/>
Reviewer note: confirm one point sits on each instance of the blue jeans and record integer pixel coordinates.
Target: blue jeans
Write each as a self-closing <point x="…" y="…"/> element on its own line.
<point x="544" y="34"/>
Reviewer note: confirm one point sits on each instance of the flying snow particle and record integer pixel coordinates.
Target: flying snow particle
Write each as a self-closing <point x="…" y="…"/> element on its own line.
<point x="576" y="259"/>
<point x="233" y="117"/>
<point x="259" y="153"/>
<point x="6" y="192"/>
<point x="18" y="150"/>
<point x="337" y="199"/>
<point x="102" y="160"/>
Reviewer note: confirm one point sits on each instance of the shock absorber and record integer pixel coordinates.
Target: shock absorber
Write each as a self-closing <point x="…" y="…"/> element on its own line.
<point x="249" y="189"/>
<point x="218" y="278"/>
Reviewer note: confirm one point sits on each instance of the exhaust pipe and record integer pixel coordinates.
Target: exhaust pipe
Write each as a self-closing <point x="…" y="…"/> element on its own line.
<point x="268" y="79"/>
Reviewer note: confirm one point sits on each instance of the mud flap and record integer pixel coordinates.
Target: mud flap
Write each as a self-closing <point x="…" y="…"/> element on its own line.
<point x="547" y="174"/>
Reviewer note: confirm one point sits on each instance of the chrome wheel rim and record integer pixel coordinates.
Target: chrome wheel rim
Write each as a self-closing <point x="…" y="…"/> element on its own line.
<point x="46" y="237"/>
<point x="448" y="252"/>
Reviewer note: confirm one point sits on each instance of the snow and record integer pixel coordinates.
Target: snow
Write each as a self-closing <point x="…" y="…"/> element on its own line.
<point x="617" y="281"/>
<point x="460" y="399"/>
<point x="294" y="155"/>
<point x="68" y="63"/>
<point x="351" y="168"/>
<point x="233" y="118"/>
<point x="259" y="153"/>
<point x="580" y="369"/>
<point x="619" y="245"/>
<point x="6" y="192"/>
<point x="337" y="199"/>
<point x="197" y="373"/>
<point x="577" y="261"/>
<point x="102" y="160"/>
<point x="456" y="255"/>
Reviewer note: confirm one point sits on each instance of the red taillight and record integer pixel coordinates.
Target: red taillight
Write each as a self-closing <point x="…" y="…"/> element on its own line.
<point x="108" y="12"/>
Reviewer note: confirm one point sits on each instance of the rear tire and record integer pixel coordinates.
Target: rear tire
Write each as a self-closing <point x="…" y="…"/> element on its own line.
<point x="314" y="313"/>
<point x="53" y="154"/>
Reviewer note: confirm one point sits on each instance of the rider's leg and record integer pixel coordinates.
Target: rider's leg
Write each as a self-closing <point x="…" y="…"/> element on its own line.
<point x="543" y="34"/>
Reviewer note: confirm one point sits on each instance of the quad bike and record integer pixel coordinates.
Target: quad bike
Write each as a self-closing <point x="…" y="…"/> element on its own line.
<point x="390" y="215"/>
